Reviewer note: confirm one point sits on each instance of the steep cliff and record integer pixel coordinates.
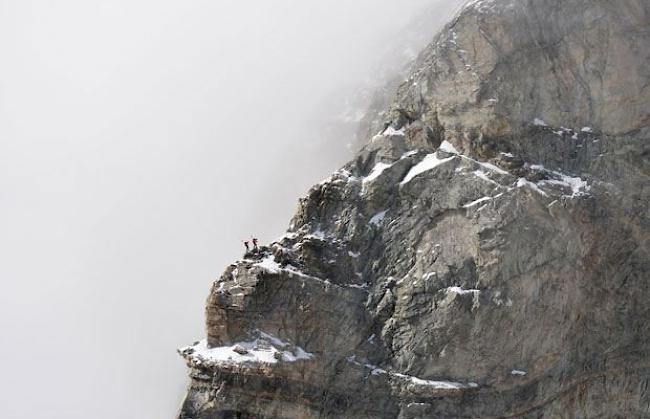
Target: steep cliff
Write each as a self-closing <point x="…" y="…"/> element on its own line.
<point x="485" y="255"/>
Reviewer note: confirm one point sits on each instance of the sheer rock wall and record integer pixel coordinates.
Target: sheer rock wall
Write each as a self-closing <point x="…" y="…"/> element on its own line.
<point x="485" y="255"/>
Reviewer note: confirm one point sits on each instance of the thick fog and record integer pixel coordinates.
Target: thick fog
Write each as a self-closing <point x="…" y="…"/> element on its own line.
<point x="140" y="142"/>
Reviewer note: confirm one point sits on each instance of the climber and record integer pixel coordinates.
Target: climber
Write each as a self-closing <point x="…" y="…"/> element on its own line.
<point x="246" y="246"/>
<point x="255" y="248"/>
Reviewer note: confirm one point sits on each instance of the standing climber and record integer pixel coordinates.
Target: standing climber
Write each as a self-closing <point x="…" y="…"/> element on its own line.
<point x="246" y="246"/>
<point x="255" y="248"/>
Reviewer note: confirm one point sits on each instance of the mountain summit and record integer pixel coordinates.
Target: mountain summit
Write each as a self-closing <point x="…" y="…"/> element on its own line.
<point x="485" y="255"/>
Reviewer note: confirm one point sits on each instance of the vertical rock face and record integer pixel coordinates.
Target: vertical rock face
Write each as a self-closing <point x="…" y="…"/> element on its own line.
<point x="485" y="255"/>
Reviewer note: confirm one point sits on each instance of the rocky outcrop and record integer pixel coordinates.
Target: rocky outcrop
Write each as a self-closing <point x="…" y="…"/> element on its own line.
<point x="485" y="255"/>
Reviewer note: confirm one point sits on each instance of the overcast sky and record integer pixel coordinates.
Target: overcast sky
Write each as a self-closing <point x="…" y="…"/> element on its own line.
<point x="140" y="142"/>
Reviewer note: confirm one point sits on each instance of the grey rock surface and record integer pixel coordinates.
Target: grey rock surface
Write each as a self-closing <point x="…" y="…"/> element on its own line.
<point x="485" y="255"/>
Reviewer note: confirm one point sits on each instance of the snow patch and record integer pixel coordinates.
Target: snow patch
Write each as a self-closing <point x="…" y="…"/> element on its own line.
<point x="518" y="372"/>
<point x="576" y="184"/>
<point x="442" y="385"/>
<point x="378" y="218"/>
<point x="538" y="122"/>
<point x="523" y="182"/>
<point x="478" y="201"/>
<point x="374" y="370"/>
<point x="437" y="384"/>
<point x="482" y="175"/>
<point x="390" y="131"/>
<point x="265" y="349"/>
<point x="341" y="175"/>
<point x="461" y="291"/>
<point x="448" y="147"/>
<point x="358" y="286"/>
<point x="269" y="264"/>
<point x="428" y="275"/>
<point x="319" y="233"/>
<point x="429" y="162"/>
<point x="376" y="172"/>
<point x="488" y="166"/>
<point x="493" y="168"/>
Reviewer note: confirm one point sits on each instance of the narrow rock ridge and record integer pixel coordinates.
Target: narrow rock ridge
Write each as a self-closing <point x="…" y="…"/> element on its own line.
<point x="485" y="255"/>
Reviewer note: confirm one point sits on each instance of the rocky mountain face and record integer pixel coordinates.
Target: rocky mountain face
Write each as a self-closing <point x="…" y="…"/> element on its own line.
<point x="485" y="255"/>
